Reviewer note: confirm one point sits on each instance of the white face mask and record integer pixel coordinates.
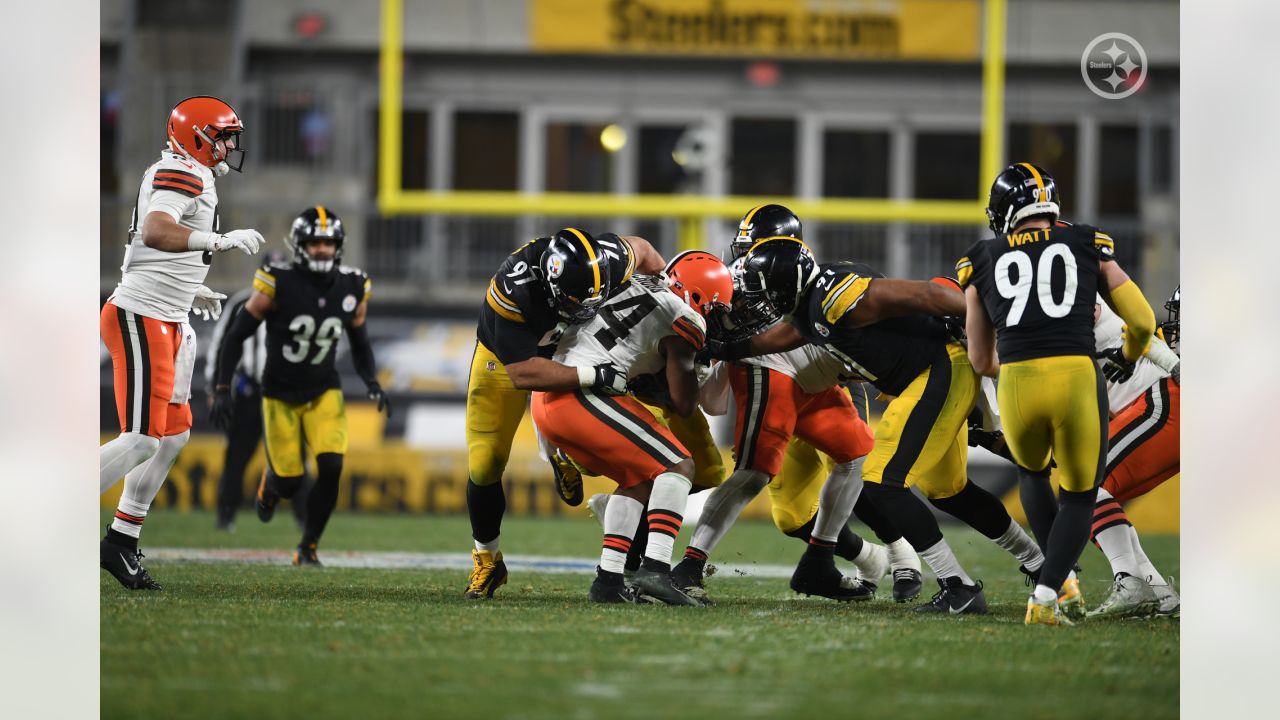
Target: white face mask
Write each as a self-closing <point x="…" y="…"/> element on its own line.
<point x="320" y="266"/>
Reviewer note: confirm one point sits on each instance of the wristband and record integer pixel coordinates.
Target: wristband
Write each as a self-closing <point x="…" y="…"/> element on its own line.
<point x="586" y="376"/>
<point x="200" y="240"/>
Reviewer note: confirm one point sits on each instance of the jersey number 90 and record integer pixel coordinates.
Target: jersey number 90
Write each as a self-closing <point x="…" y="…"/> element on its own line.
<point x="305" y="335"/>
<point x="1020" y="291"/>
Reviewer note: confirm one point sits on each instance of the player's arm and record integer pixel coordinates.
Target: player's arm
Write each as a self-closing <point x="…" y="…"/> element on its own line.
<point x="681" y="378"/>
<point x="362" y="355"/>
<point x="1124" y="296"/>
<point x="982" y="335"/>
<point x="242" y="327"/>
<point x="781" y="337"/>
<point x="648" y="260"/>
<point x="885" y="298"/>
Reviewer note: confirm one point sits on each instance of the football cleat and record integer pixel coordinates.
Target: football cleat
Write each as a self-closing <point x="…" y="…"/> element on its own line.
<point x="568" y="479"/>
<point x="687" y="575"/>
<point x="956" y="598"/>
<point x="907" y="584"/>
<point x="596" y="504"/>
<point x="816" y="575"/>
<point x="267" y="500"/>
<point x="488" y="573"/>
<point x="1170" y="603"/>
<point x="1047" y="613"/>
<point x="877" y="566"/>
<point x="1130" y="597"/>
<point x="125" y="565"/>
<point x="609" y="588"/>
<point x="657" y="585"/>
<point x="305" y="555"/>
<point x="1071" y="600"/>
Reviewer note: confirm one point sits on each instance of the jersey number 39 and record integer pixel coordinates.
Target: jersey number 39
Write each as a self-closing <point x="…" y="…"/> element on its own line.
<point x="1020" y="291"/>
<point x="305" y="334"/>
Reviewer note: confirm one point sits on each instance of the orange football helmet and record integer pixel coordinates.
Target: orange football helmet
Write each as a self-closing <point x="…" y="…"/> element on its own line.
<point x="207" y="130"/>
<point x="701" y="280"/>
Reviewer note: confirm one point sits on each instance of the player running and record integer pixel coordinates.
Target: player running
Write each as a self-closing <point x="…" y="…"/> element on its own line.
<point x="307" y="304"/>
<point x="172" y="239"/>
<point x="1030" y="292"/>
<point x="545" y="286"/>
<point x="649" y="327"/>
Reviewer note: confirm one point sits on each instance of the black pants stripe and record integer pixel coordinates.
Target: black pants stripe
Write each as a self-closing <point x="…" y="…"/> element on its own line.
<point x="1132" y="436"/>
<point x="753" y="416"/>
<point x="626" y="432"/>
<point x="915" y="431"/>
<point x="643" y="423"/>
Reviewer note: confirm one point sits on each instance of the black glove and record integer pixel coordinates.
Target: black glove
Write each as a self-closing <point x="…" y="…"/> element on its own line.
<point x="992" y="440"/>
<point x="376" y="394"/>
<point x="955" y="327"/>
<point x="651" y="388"/>
<point x="1115" y="366"/>
<point x="221" y="411"/>
<point x="727" y="351"/>
<point x="609" y="380"/>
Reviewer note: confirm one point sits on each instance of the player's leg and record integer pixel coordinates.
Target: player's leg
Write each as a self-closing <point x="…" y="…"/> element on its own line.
<point x="124" y="334"/>
<point x="282" y="433"/>
<point x="1131" y="592"/>
<point x="494" y="410"/>
<point x="324" y="424"/>
<point x="914" y="434"/>
<point x="242" y="440"/>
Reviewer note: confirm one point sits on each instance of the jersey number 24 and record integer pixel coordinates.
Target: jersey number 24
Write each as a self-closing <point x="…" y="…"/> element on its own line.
<point x="1020" y="291"/>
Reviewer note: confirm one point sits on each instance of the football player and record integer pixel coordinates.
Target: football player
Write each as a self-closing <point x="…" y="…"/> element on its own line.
<point x="545" y="286"/>
<point x="649" y="327"/>
<point x="890" y="332"/>
<point x="1143" y="451"/>
<point x="1030" y="295"/>
<point x="172" y="240"/>
<point x="307" y="304"/>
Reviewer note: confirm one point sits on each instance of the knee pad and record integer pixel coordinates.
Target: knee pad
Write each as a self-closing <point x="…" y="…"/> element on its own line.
<point x="485" y="464"/>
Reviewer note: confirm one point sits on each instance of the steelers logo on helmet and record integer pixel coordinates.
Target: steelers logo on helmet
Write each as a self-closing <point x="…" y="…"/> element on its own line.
<point x="575" y="274"/>
<point x="311" y="231"/>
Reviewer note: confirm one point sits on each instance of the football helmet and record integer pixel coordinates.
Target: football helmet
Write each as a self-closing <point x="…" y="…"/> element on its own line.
<point x="1021" y="191"/>
<point x="316" y="223"/>
<point x="765" y="221"/>
<point x="576" y="275"/>
<point x="774" y="274"/>
<point x="207" y="130"/>
<point x="702" y="281"/>
<point x="1173" y="324"/>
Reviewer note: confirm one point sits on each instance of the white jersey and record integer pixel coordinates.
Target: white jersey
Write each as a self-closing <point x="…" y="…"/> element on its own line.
<point x="629" y="327"/>
<point x="1108" y="333"/>
<point x="813" y="368"/>
<point x="160" y="284"/>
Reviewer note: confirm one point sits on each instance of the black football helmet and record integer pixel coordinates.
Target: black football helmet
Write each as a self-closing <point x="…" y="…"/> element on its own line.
<point x="765" y="221"/>
<point x="774" y="274"/>
<point x="1021" y="191"/>
<point x="1173" y="325"/>
<point x="313" y="224"/>
<point x="575" y="273"/>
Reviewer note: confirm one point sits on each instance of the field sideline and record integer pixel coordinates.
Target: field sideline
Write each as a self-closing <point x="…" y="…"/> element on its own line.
<point x="271" y="641"/>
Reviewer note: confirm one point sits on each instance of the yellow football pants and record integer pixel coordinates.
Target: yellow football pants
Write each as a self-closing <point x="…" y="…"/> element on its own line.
<point x="1056" y="407"/>
<point x="323" y="421"/>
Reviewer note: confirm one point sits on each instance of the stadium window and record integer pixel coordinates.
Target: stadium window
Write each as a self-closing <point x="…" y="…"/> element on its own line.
<point x="1052" y="147"/>
<point x="576" y="161"/>
<point x="486" y="150"/>
<point x="1118" y="184"/>
<point x="415" y="145"/>
<point x="295" y="131"/>
<point x="946" y="165"/>
<point x="1162" y="159"/>
<point x="763" y="157"/>
<point x="659" y="172"/>
<point x="108" y="123"/>
<point x="855" y="163"/>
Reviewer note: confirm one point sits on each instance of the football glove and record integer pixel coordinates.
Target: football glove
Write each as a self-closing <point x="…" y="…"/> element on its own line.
<point x="247" y="241"/>
<point x="221" y="411"/>
<point x="1115" y="366"/>
<point x="207" y="303"/>
<point x="605" y="379"/>
<point x="377" y="395"/>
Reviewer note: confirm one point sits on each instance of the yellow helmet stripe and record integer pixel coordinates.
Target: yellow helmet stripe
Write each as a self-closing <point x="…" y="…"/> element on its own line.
<point x="746" y="221"/>
<point x="591" y="255"/>
<point x="1039" y="180"/>
<point x="324" y="218"/>
<point x="779" y="237"/>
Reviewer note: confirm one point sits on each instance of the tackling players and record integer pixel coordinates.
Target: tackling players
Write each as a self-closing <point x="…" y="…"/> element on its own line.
<point x="172" y="239"/>
<point x="307" y="305"/>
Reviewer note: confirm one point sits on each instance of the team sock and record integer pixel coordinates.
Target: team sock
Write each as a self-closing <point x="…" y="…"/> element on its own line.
<point x="621" y="518"/>
<point x="1145" y="568"/>
<point x="835" y="503"/>
<point x="1036" y="493"/>
<point x="902" y="555"/>
<point x="944" y="563"/>
<point x="665" y="515"/>
<point x="1067" y="538"/>
<point x="978" y="509"/>
<point x="1044" y="594"/>
<point x="918" y="525"/>
<point x="322" y="498"/>
<point x="724" y="505"/>
<point x="486" y="505"/>
<point x="1114" y="535"/>
<point x="883" y="527"/>
<point x="142" y="484"/>
<point x="126" y="452"/>
<point x="1019" y="544"/>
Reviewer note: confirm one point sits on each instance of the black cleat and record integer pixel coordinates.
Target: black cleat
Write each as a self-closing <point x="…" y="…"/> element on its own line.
<point x="568" y="479"/>
<point x="125" y="565"/>
<point x="305" y="555"/>
<point x="1032" y="576"/>
<point x="907" y="584"/>
<point x="268" y="498"/>
<point x="818" y="575"/>
<point x="687" y="575"/>
<point x="608" y="587"/>
<point x="657" y="585"/>
<point x="956" y="598"/>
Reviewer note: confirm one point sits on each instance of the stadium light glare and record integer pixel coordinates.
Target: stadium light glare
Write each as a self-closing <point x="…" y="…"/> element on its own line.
<point x="613" y="138"/>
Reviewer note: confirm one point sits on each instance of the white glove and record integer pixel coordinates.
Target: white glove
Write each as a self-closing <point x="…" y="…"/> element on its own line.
<point x="247" y="241"/>
<point x="207" y="304"/>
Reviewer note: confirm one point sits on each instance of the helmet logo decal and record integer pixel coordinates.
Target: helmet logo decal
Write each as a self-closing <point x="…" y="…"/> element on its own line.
<point x="349" y="303"/>
<point x="555" y="267"/>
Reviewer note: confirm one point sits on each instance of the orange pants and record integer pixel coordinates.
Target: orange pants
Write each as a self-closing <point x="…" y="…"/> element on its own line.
<point x="612" y="436"/>
<point x="143" y="351"/>
<point x="1144" y="448"/>
<point x="772" y="408"/>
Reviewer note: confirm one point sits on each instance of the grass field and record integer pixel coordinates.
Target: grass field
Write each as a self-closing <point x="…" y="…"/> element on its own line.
<point x="271" y="641"/>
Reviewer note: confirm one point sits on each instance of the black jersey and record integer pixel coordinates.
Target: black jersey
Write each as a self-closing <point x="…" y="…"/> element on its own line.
<point x="517" y="321"/>
<point x="311" y="311"/>
<point x="889" y="353"/>
<point x="1039" y="288"/>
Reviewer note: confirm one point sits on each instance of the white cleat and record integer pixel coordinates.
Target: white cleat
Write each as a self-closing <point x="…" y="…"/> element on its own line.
<point x="1130" y="597"/>
<point x="1170" y="603"/>
<point x="874" y="567"/>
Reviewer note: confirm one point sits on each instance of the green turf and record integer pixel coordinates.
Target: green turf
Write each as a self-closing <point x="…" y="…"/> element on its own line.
<point x="265" y="641"/>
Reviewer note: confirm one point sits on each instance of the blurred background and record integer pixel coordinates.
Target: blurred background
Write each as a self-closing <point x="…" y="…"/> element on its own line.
<point x="821" y="100"/>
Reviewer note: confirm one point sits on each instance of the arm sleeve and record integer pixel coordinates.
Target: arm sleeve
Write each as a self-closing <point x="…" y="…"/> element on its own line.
<point x="1140" y="320"/>
<point x="242" y="327"/>
<point x="215" y="342"/>
<point x="362" y="354"/>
